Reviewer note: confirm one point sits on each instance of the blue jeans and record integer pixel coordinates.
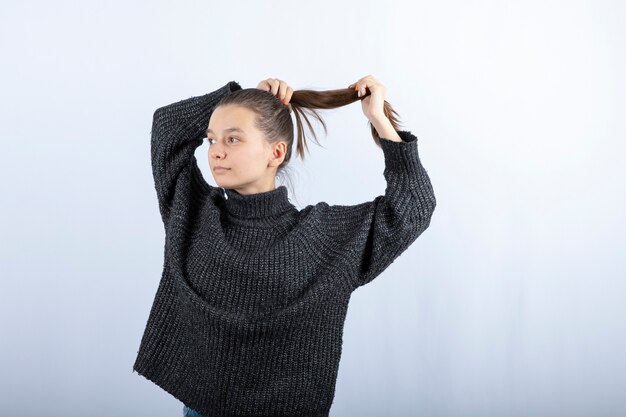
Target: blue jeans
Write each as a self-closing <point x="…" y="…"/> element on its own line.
<point x="190" y="412"/>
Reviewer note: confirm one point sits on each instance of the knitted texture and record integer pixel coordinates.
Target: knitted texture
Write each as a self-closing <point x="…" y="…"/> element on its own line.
<point x="249" y="312"/>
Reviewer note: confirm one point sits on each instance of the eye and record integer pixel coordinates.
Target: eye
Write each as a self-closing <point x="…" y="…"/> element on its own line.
<point x="230" y="137"/>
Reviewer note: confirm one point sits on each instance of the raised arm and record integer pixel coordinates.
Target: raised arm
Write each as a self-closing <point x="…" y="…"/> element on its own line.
<point x="177" y="130"/>
<point x="373" y="234"/>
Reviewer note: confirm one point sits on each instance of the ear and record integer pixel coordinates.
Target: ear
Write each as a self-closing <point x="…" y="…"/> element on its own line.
<point x="279" y="150"/>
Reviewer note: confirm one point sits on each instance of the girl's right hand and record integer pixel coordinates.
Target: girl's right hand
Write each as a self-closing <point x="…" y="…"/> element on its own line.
<point x="277" y="87"/>
<point x="372" y="93"/>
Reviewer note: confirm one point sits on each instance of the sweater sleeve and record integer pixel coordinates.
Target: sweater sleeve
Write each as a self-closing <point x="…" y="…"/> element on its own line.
<point x="373" y="234"/>
<point x="177" y="130"/>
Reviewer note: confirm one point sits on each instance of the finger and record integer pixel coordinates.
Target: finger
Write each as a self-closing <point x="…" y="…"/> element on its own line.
<point x="270" y="82"/>
<point x="282" y="90"/>
<point x="363" y="88"/>
<point x="360" y="85"/>
<point x="355" y="87"/>
<point x="288" y="95"/>
<point x="274" y="84"/>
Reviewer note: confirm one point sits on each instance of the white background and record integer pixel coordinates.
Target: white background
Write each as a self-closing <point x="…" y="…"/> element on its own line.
<point x="509" y="304"/>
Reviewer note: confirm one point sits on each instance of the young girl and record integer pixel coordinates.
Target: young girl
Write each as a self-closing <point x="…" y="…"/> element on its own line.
<point x="248" y="316"/>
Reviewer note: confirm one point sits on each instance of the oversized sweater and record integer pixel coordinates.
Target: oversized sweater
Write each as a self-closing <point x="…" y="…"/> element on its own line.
<point x="248" y="316"/>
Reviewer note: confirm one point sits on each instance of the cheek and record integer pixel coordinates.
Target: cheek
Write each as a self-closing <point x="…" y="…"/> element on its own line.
<point x="250" y="157"/>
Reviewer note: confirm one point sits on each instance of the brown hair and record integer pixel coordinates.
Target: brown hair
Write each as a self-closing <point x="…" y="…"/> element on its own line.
<point x="274" y="118"/>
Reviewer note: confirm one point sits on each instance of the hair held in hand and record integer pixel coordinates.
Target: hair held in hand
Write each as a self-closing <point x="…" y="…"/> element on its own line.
<point x="274" y="117"/>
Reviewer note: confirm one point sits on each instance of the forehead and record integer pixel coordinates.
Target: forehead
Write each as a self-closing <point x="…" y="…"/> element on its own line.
<point x="230" y="118"/>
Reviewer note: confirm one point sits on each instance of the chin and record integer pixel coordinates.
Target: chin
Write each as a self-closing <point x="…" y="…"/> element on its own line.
<point x="223" y="184"/>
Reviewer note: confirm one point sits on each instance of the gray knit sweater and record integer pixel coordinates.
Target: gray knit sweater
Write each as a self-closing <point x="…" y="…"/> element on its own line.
<point x="248" y="316"/>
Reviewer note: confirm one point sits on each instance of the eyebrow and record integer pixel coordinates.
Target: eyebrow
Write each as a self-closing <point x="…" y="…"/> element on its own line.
<point x="230" y="129"/>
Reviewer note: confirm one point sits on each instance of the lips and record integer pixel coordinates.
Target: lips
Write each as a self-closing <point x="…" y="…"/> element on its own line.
<point x="220" y="169"/>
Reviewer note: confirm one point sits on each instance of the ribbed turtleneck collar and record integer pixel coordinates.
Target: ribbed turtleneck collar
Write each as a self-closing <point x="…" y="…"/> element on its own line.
<point x="263" y="204"/>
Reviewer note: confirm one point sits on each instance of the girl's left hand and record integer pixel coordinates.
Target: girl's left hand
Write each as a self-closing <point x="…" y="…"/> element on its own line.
<point x="372" y="101"/>
<point x="279" y="88"/>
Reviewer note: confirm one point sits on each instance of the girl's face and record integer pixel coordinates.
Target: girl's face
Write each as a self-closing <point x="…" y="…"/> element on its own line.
<point x="235" y="144"/>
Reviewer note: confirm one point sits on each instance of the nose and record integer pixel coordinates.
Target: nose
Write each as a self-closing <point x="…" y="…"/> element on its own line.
<point x="215" y="152"/>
